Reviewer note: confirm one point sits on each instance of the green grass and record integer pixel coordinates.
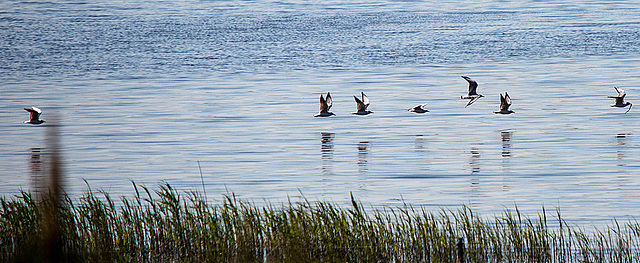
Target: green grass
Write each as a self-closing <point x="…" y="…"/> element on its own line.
<point x="166" y="225"/>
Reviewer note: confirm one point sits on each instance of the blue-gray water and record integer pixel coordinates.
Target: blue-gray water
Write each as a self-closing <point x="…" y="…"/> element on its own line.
<point x="146" y="89"/>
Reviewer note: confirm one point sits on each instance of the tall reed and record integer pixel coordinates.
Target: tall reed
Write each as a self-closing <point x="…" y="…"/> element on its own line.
<point x="166" y="225"/>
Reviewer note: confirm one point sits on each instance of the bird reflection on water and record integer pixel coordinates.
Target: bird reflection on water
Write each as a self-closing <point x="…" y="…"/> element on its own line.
<point x="474" y="161"/>
<point x="621" y="139"/>
<point x="364" y="149"/>
<point x="326" y="151"/>
<point x="37" y="177"/>
<point x="506" y="143"/>
<point x="506" y="137"/>
<point x="419" y="143"/>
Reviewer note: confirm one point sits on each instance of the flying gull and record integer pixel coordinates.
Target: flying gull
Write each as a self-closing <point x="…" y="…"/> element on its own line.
<point x="473" y="95"/>
<point x="419" y="108"/>
<point x="362" y="105"/>
<point x="505" y="102"/>
<point x="325" y="105"/>
<point x="620" y="99"/>
<point x="34" y="116"/>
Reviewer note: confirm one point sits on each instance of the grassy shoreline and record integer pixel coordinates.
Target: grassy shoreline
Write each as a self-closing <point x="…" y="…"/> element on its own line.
<point x="165" y="225"/>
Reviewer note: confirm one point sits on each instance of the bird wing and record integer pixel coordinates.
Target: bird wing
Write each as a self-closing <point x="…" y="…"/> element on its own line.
<point x="473" y="99"/>
<point x="507" y="99"/>
<point x="323" y="104"/>
<point x="359" y="105"/>
<point x="34" y="113"/>
<point x="473" y="85"/>
<point x="34" y="110"/>
<point x="620" y="91"/>
<point x="365" y="100"/>
<point x="329" y="101"/>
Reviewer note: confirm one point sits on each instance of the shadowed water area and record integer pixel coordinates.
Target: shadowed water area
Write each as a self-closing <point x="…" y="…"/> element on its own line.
<point x="145" y="89"/>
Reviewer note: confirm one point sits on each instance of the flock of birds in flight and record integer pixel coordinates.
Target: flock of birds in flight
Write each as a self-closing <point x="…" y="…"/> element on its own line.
<point x="472" y="96"/>
<point x="363" y="102"/>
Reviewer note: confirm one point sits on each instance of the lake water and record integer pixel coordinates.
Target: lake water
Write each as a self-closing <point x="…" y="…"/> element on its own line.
<point x="147" y="89"/>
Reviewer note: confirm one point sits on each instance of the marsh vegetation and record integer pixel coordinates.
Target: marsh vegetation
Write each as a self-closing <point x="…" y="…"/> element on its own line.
<point x="165" y="224"/>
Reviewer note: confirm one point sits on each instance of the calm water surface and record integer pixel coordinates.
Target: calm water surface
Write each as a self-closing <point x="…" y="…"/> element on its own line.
<point x="146" y="89"/>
